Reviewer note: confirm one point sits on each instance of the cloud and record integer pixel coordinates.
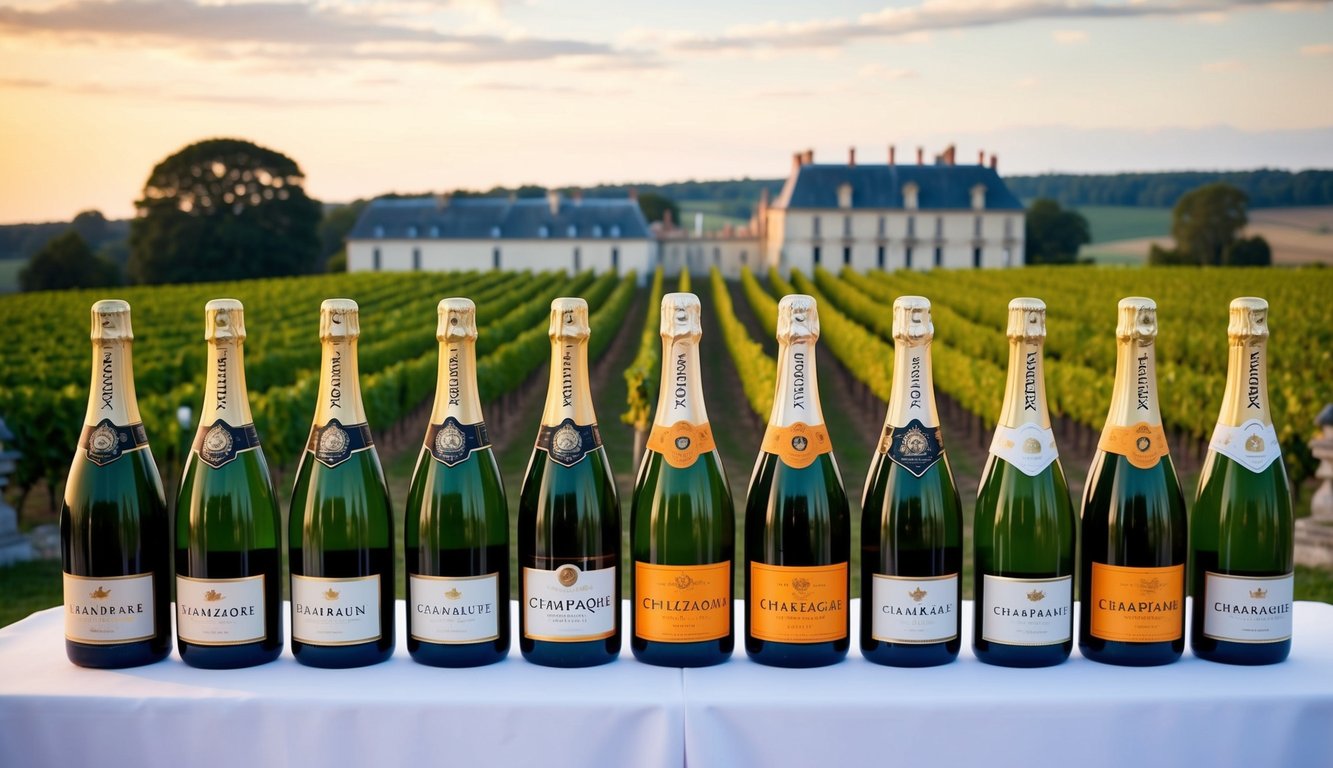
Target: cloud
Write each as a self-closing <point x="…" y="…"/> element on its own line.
<point x="941" y="15"/>
<point x="1317" y="50"/>
<point x="184" y="95"/>
<point x="1069" y="36"/>
<point x="1223" y="67"/>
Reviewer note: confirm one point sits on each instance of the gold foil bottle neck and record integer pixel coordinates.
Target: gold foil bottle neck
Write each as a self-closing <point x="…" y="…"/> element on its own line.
<point x="911" y="320"/>
<point x="339" y="319"/>
<point x="1249" y="318"/>
<point x="458" y="320"/>
<point x="569" y="319"/>
<point x="1027" y="320"/>
<point x="111" y="321"/>
<point x="681" y="313"/>
<point x="224" y="320"/>
<point x="798" y="318"/>
<point x="1136" y="320"/>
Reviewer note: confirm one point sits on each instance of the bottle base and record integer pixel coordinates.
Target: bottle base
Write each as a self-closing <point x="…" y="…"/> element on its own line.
<point x="1122" y="654"/>
<point x="702" y="654"/>
<point x="1023" y="656"/>
<point x="796" y="655"/>
<point x="907" y="655"/>
<point x="227" y="657"/>
<point x="138" y="654"/>
<point x="1242" y="654"/>
<point x="547" y="653"/>
<point x="341" y="656"/>
<point x="458" y="656"/>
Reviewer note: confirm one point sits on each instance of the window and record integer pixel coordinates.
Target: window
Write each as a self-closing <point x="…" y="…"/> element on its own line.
<point x="939" y="226"/>
<point x="434" y="231"/>
<point x="412" y="230"/>
<point x="572" y="231"/>
<point x="976" y="226"/>
<point x="908" y="257"/>
<point x="911" y="226"/>
<point x="939" y="256"/>
<point x="615" y="230"/>
<point x="495" y="231"/>
<point x="578" y="259"/>
<point x="879" y="256"/>
<point x="846" y="255"/>
<point x="596" y="230"/>
<point x="615" y="259"/>
<point x="1008" y="257"/>
<point x="416" y="259"/>
<point x="976" y="257"/>
<point x="1008" y="227"/>
<point x="880" y="227"/>
<point x="717" y="255"/>
<point x="379" y="231"/>
<point x="815" y="231"/>
<point x="846" y="226"/>
<point x="543" y="231"/>
<point x="816" y="254"/>
<point x="495" y="257"/>
<point x="375" y="260"/>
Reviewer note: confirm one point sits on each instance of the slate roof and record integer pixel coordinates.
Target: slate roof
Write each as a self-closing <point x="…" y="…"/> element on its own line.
<point x="881" y="186"/>
<point x="488" y="218"/>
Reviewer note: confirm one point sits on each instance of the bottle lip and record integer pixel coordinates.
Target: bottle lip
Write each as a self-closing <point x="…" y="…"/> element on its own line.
<point x="1136" y="319"/>
<point x="1027" y="319"/>
<point x="339" y="319"/>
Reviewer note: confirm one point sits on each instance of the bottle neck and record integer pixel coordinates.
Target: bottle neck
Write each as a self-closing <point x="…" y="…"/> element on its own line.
<point x="456" y="384"/>
<point x="225" y="395"/>
<point x="111" y="395"/>
<point x="913" y="393"/>
<point x="797" y="395"/>
<point x="1134" y="395"/>
<point x="568" y="395"/>
<point x="680" y="396"/>
<point x="339" y="384"/>
<point x="1246" y="396"/>
<point x="1025" y="387"/>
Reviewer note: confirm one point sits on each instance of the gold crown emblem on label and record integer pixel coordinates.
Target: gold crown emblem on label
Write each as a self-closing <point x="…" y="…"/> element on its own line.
<point x="1031" y="445"/>
<point x="800" y="584"/>
<point x="1150" y="585"/>
<point x="1259" y="594"/>
<point x="329" y="594"/>
<point x="1036" y="596"/>
<point x="101" y="593"/>
<point x="1254" y="444"/>
<point x="453" y="593"/>
<point x="917" y="594"/>
<point x="684" y="581"/>
<point x="213" y="596"/>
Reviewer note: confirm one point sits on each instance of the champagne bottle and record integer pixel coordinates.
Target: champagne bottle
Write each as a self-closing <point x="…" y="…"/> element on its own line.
<point x="1024" y="530"/>
<point x="912" y="519"/>
<point x="797" y="529"/>
<point x="114" y="544"/>
<point x="1241" y="528"/>
<point x="569" y="516"/>
<point x="682" y="523"/>
<point x="341" y="523"/>
<point x="1132" y="566"/>
<point x="456" y="527"/>
<point x="228" y="596"/>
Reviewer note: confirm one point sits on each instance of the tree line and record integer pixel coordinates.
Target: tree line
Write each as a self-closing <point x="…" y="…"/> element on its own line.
<point x="1263" y="188"/>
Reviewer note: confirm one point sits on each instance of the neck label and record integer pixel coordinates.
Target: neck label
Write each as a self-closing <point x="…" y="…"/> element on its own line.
<point x="219" y="444"/>
<point x="915" y="447"/>
<point x="1143" y="444"/>
<point x="335" y="443"/>
<point x="682" y="443"/>
<point x="452" y="442"/>
<point x="797" y="445"/>
<point x="1029" y="448"/>
<point x="1252" y="445"/>
<point x="107" y="442"/>
<point x="567" y="443"/>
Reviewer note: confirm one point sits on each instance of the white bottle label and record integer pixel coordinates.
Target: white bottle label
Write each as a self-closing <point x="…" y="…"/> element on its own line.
<point x="1027" y="611"/>
<point x="915" y="610"/>
<point x="220" y="611"/>
<point x="569" y="605"/>
<point x="452" y="609"/>
<point x="335" y="611"/>
<point x="1030" y="448"/>
<point x="1252" y="445"/>
<point x="1248" y="609"/>
<point x="109" y="610"/>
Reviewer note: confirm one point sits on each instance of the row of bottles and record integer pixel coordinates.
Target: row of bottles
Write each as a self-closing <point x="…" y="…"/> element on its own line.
<point x="114" y="520"/>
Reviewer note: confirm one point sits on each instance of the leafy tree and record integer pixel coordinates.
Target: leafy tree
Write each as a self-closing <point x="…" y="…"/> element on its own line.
<point x="1249" y="252"/>
<point x="1054" y="235"/>
<point x="333" y="229"/>
<point x="655" y="206"/>
<point x="92" y="226"/>
<point x="337" y="262"/>
<point x="1166" y="257"/>
<point x="67" y="262"/>
<point x="224" y="209"/>
<point x="1207" y="220"/>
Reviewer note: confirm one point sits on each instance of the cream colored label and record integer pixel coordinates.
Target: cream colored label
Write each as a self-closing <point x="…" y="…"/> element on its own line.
<point x="797" y="445"/>
<point x="908" y="610"/>
<point x="220" y="611"/>
<point x="336" y="611"/>
<point x="110" y="609"/>
<point x="1253" y="444"/>
<point x="1027" y="611"/>
<point x="568" y="604"/>
<point x="1247" y="609"/>
<point x="682" y="443"/>
<point x="1029" y="448"/>
<point x="1143" y="444"/>
<point x="454" y="609"/>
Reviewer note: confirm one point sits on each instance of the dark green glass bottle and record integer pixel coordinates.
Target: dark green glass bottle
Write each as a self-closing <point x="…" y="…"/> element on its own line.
<point x="682" y="523"/>
<point x="228" y="530"/>
<point x="797" y="526"/>
<point x="912" y="518"/>
<point x="456" y="526"/>
<point x="114" y="543"/>
<point x="569" y="517"/>
<point x="1024" y="531"/>
<point x="1132" y="563"/>
<point x="1241" y="528"/>
<point x="341" y="521"/>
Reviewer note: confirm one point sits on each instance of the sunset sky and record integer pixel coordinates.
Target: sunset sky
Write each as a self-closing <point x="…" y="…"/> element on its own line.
<point x="416" y="95"/>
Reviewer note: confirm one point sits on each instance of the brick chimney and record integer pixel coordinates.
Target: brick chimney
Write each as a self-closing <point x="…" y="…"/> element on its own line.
<point x="981" y="157"/>
<point x="949" y="153"/>
<point x="577" y="195"/>
<point x="809" y="157"/>
<point x="666" y="219"/>
<point x="553" y="200"/>
<point x="851" y="157"/>
<point x="893" y="155"/>
<point x="634" y="194"/>
<point x="994" y="162"/>
<point x="920" y="155"/>
<point x="797" y="160"/>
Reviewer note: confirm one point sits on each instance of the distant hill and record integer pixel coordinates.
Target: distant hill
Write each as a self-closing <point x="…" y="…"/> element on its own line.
<point x="1265" y="188"/>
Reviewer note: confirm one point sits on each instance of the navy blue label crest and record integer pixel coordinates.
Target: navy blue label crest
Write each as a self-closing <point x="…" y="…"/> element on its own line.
<point x="568" y="442"/>
<point x="914" y="447"/>
<point x="107" y="442"/>
<point x="452" y="442"/>
<point x="334" y="443"/>
<point x="220" y="443"/>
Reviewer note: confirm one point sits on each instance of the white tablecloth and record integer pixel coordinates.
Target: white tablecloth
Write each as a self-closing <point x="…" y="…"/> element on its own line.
<point x="514" y="713"/>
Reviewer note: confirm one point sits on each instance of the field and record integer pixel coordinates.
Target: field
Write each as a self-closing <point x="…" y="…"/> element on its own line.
<point x="1124" y="235"/>
<point x="9" y="275"/>
<point x="1109" y="223"/>
<point x="43" y="400"/>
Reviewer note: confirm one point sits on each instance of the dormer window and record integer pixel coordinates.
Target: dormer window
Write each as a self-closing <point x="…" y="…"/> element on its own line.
<point x="411" y="230"/>
<point x="844" y="195"/>
<point x="910" y="196"/>
<point x="434" y="230"/>
<point x="979" y="197"/>
<point x="379" y="231"/>
<point x="543" y="231"/>
<point x="615" y="230"/>
<point x="572" y="231"/>
<point x="495" y="231"/>
<point x="596" y="230"/>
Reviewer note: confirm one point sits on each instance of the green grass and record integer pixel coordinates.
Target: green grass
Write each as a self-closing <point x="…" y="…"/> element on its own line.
<point x="29" y="587"/>
<point x="1124" y="222"/>
<point x="9" y="274"/>
<point x="717" y="213"/>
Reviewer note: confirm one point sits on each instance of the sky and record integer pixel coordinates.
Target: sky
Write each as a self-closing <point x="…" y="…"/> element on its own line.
<point x="418" y="95"/>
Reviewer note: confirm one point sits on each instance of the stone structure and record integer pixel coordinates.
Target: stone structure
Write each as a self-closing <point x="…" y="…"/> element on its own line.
<point x="1314" y="534"/>
<point x="14" y="546"/>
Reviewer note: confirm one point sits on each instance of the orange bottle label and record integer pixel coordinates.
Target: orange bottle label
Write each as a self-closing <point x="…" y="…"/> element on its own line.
<point x="793" y="604"/>
<point x="682" y="443"/>
<point x="1143" y="444"/>
<point x="682" y="603"/>
<point x="797" y="445"/>
<point x="1137" y="605"/>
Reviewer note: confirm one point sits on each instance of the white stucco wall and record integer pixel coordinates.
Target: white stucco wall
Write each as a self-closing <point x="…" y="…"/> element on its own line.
<point x="534" y="255"/>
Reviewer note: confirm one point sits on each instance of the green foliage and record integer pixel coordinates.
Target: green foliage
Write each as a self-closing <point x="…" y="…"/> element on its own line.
<point x="1207" y="220"/>
<point x="684" y="286"/>
<point x="1265" y="188"/>
<point x="1053" y="235"/>
<point x="67" y="262"/>
<point x="862" y="353"/>
<point x="333" y="228"/>
<point x="655" y="207"/>
<point x="758" y="371"/>
<point x="1249" y="252"/>
<point x="1169" y="257"/>
<point x="224" y="209"/>
<point x="640" y="376"/>
<point x="337" y="262"/>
